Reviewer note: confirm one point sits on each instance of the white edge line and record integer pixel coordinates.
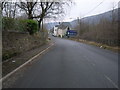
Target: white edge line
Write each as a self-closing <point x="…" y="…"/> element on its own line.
<point x="111" y="81"/>
<point x="9" y="74"/>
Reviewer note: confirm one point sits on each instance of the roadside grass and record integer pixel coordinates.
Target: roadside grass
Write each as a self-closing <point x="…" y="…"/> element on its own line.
<point x="104" y="46"/>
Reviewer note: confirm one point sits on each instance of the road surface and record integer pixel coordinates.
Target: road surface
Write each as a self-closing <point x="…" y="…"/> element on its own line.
<point x="71" y="64"/>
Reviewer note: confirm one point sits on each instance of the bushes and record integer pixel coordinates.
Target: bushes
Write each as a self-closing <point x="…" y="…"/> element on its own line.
<point x="20" y="25"/>
<point x="7" y="23"/>
<point x="8" y="55"/>
<point x="31" y="26"/>
<point x="105" y="32"/>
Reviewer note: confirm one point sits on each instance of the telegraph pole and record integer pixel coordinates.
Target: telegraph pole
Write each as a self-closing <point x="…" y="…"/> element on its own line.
<point x="79" y="23"/>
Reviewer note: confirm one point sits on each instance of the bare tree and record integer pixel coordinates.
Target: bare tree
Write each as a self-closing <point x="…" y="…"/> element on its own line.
<point x="9" y="9"/>
<point x="28" y="7"/>
<point x="35" y="10"/>
<point x="48" y="10"/>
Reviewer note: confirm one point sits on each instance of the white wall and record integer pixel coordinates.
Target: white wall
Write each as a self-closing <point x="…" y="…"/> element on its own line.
<point x="55" y="33"/>
<point x="59" y="32"/>
<point x="62" y="32"/>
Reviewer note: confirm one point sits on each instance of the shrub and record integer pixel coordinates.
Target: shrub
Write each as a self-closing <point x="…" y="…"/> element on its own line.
<point x="7" y="23"/>
<point x="21" y="25"/>
<point x="32" y="26"/>
<point x="8" y="55"/>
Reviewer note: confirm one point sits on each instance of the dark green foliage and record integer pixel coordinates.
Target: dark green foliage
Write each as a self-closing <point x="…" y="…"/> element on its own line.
<point x="8" y="55"/>
<point x="7" y="23"/>
<point x="20" y="25"/>
<point x="31" y="26"/>
<point x="13" y="24"/>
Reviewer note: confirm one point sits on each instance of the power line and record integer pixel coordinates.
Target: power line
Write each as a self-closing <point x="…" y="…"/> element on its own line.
<point x="94" y="8"/>
<point x="79" y="20"/>
<point x="116" y="5"/>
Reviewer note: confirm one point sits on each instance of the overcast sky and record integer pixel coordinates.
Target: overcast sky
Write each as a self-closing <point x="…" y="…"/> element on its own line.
<point x="84" y="8"/>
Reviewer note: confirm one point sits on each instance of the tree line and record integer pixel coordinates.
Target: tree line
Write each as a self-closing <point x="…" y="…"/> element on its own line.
<point x="105" y="31"/>
<point x="34" y="10"/>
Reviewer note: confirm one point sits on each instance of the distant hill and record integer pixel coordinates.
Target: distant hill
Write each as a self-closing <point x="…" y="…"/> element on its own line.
<point x="51" y="25"/>
<point x="91" y="19"/>
<point x="96" y="18"/>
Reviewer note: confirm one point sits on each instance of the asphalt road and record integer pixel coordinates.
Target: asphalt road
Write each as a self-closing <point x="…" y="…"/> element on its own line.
<point x="71" y="64"/>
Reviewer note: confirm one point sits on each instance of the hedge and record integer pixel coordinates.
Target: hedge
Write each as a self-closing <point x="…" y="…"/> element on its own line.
<point x="32" y="26"/>
<point x="21" y="25"/>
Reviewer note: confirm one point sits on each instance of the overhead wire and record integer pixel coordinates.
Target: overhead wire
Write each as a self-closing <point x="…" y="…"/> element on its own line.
<point x="94" y="8"/>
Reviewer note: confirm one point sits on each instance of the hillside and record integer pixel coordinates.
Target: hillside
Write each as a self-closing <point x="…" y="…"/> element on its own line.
<point x="91" y="19"/>
<point x="96" y="18"/>
<point x="51" y="25"/>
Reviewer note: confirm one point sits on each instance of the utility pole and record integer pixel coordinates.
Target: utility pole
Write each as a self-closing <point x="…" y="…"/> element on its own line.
<point x="113" y="10"/>
<point x="119" y="24"/>
<point x="79" y="23"/>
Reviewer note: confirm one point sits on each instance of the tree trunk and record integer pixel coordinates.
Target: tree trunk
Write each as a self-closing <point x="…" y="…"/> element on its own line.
<point x="39" y="24"/>
<point x="30" y="15"/>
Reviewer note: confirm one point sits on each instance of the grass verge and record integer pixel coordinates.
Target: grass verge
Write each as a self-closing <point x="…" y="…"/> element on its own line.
<point x="104" y="46"/>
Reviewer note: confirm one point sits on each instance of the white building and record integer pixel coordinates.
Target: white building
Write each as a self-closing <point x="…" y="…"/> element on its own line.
<point x="60" y="30"/>
<point x="55" y="31"/>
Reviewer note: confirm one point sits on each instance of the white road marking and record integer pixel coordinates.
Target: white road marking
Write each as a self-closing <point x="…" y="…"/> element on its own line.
<point x="111" y="81"/>
<point x="116" y="86"/>
<point x="9" y="74"/>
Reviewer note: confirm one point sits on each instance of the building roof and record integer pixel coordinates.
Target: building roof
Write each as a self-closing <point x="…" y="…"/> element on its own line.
<point x="64" y="25"/>
<point x="56" y="25"/>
